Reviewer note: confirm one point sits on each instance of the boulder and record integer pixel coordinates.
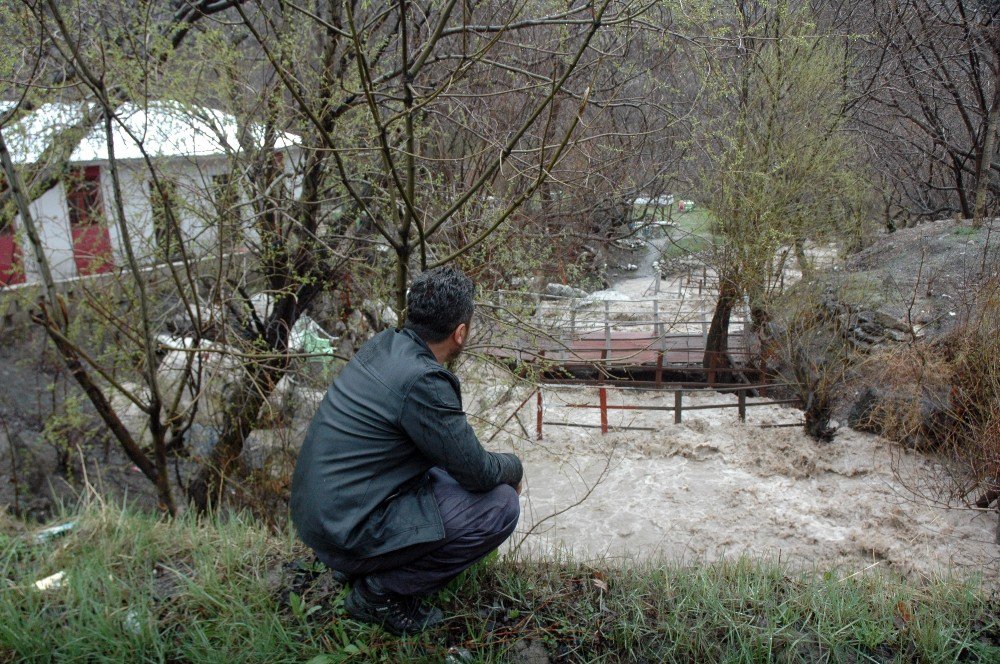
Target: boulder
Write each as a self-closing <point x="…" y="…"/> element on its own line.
<point x="562" y="290"/>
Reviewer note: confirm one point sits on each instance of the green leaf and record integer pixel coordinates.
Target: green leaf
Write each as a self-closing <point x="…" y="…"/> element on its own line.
<point x="321" y="659"/>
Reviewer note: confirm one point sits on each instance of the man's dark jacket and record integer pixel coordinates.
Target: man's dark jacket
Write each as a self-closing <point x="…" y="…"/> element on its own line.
<point x="360" y="485"/>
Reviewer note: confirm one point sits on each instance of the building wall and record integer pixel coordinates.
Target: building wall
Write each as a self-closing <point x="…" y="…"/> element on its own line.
<point x="196" y="212"/>
<point x="51" y="215"/>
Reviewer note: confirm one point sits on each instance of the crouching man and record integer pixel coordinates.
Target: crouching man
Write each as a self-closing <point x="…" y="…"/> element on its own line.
<point x="392" y="488"/>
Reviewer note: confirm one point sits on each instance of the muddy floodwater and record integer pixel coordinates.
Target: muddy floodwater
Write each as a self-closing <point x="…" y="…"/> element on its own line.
<point x="713" y="487"/>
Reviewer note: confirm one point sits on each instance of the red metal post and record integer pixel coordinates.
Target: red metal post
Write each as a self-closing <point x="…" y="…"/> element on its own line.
<point x="604" y="409"/>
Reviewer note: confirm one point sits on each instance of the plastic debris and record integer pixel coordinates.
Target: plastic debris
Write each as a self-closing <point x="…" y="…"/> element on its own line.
<point x="131" y="622"/>
<point x="51" y="582"/>
<point x="54" y="531"/>
<point x="458" y="655"/>
<point x="308" y="337"/>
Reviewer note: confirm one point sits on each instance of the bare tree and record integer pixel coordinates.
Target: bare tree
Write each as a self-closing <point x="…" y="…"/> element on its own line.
<point x="929" y="104"/>
<point x="421" y="127"/>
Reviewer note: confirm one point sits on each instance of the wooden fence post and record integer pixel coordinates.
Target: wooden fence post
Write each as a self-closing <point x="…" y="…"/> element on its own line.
<point x="607" y="323"/>
<point x="607" y="334"/>
<point x="538" y="414"/>
<point x="677" y="406"/>
<point x="742" y="403"/>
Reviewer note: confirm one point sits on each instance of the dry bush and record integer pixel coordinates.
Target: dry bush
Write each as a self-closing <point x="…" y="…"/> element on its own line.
<point x="945" y="397"/>
<point x="972" y="428"/>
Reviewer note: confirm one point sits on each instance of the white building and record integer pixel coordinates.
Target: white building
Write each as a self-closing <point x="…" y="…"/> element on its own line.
<point x="192" y="148"/>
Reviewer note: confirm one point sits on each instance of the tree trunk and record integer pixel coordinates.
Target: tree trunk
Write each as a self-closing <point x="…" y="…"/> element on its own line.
<point x="717" y="344"/>
<point x="239" y="419"/>
<point x="805" y="267"/>
<point x="986" y="158"/>
<point x="402" y="280"/>
<point x="243" y="409"/>
<point x="817" y="417"/>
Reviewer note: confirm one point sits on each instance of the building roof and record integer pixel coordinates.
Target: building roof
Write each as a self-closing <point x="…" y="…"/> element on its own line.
<point x="164" y="128"/>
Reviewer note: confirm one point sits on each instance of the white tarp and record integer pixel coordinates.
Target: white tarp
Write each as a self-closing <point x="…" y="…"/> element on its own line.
<point x="163" y="128"/>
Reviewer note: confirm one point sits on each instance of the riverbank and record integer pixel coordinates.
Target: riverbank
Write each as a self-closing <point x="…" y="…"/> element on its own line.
<point x="133" y="587"/>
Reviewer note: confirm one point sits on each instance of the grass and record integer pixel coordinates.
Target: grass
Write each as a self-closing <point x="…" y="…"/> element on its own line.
<point x="140" y="589"/>
<point x="691" y="235"/>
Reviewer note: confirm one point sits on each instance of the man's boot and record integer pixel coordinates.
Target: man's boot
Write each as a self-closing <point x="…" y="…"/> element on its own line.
<point x="397" y="614"/>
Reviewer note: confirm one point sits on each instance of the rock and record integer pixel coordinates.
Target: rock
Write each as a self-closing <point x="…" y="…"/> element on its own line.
<point x="679" y="265"/>
<point x="562" y="290"/>
<point x="630" y="243"/>
<point x="458" y="655"/>
<point x="271" y="450"/>
<point x="865" y="329"/>
<point x="213" y="372"/>
<point x="878" y="411"/>
<point x="526" y="651"/>
<point x="380" y="315"/>
<point x="201" y="439"/>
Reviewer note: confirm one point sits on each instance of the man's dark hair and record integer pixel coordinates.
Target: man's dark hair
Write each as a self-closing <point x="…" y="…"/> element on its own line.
<point x="439" y="301"/>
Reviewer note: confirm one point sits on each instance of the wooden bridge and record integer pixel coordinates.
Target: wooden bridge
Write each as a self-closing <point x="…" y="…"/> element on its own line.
<point x="631" y="351"/>
<point x="563" y="342"/>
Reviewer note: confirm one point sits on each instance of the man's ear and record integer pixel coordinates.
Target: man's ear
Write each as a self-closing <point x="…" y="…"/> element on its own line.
<point x="460" y="333"/>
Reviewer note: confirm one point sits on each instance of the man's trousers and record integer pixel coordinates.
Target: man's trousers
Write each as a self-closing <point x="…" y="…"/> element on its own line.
<point x="474" y="525"/>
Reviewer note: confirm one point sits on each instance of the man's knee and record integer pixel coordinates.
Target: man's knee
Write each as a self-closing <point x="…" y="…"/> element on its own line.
<point x="510" y="508"/>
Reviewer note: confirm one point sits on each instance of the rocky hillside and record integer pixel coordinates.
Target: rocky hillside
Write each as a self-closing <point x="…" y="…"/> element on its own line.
<point x="924" y="277"/>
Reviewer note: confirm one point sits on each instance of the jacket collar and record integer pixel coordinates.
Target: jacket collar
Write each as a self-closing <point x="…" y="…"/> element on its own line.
<point x="421" y="344"/>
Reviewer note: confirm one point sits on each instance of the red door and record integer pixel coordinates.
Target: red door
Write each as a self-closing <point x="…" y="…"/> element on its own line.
<point x="11" y="265"/>
<point x="91" y="240"/>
